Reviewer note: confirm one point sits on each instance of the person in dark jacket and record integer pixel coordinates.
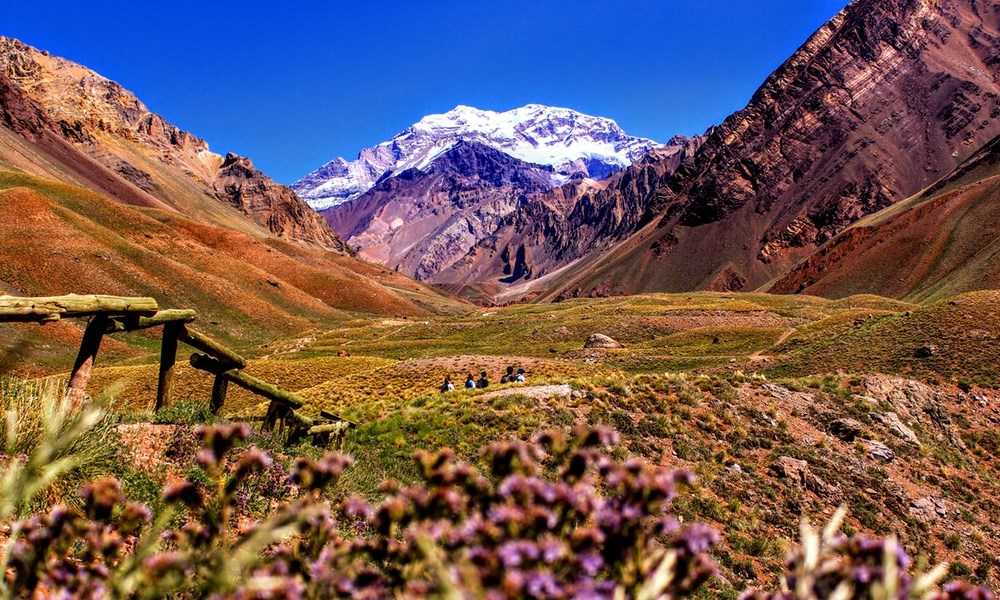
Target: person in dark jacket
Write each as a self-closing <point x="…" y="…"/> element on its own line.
<point x="509" y="376"/>
<point x="483" y="382"/>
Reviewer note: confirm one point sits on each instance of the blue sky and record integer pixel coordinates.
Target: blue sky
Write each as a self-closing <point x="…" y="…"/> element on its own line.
<point x="294" y="84"/>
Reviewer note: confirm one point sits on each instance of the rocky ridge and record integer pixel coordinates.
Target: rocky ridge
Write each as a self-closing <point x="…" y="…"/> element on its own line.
<point x="93" y="132"/>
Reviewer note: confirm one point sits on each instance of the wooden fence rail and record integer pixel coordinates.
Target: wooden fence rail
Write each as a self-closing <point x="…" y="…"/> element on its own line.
<point x="53" y="308"/>
<point x="116" y="314"/>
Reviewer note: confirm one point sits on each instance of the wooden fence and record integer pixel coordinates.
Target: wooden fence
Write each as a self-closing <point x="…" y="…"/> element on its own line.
<point x="115" y="314"/>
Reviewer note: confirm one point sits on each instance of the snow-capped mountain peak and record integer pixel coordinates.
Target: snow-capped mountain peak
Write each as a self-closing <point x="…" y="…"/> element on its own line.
<point x="572" y="143"/>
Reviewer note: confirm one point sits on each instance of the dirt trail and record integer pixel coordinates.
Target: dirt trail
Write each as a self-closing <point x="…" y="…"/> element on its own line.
<point x="758" y="357"/>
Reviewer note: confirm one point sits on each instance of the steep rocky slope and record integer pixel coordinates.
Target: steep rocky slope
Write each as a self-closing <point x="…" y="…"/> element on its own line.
<point x="940" y="242"/>
<point x="883" y="100"/>
<point x="76" y="126"/>
<point x="573" y="144"/>
<point x="879" y="103"/>
<point x="420" y="222"/>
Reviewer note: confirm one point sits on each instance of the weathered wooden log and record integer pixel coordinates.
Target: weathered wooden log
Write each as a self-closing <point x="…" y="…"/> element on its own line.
<point x="53" y="308"/>
<point x="85" y="358"/>
<point x="249" y="382"/>
<point x="163" y="317"/>
<point x="276" y="411"/>
<point x="335" y="417"/>
<point x="214" y="349"/>
<point x="323" y="434"/>
<point x="337" y="427"/>
<point x="168" y="357"/>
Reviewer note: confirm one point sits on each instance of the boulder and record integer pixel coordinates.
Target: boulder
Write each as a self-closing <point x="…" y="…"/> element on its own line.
<point x="599" y="340"/>
<point x="792" y="469"/>
<point x="925" y="351"/>
<point x="898" y="428"/>
<point x="798" y="473"/>
<point x="846" y="429"/>
<point x="878" y="450"/>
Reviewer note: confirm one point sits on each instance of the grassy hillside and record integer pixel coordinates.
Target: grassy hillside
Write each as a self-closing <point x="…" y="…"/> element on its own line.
<point x="963" y="331"/>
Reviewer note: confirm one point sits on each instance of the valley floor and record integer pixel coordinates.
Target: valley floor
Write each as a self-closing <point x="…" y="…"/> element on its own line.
<point x="786" y="407"/>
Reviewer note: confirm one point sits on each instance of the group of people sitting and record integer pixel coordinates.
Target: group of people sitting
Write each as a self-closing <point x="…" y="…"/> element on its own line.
<point x="470" y="382"/>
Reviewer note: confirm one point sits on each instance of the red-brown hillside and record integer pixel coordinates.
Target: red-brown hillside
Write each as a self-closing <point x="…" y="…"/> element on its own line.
<point x="65" y="122"/>
<point x="941" y="242"/>
<point x="62" y="239"/>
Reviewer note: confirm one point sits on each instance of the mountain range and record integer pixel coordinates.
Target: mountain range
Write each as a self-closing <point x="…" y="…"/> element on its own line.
<point x="574" y="145"/>
<point x="882" y="126"/>
<point x="881" y="102"/>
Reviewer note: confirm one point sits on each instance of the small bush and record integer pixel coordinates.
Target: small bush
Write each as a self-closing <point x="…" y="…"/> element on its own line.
<point x="952" y="541"/>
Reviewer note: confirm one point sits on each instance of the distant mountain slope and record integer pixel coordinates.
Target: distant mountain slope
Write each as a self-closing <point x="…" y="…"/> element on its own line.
<point x="573" y="144"/>
<point x="76" y="126"/>
<point x="551" y="231"/>
<point x="420" y="222"/>
<point x="886" y="98"/>
<point x="943" y="241"/>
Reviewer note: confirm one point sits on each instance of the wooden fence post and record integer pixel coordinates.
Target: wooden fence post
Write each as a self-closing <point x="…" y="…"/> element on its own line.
<point x="85" y="358"/>
<point x="168" y="357"/>
<point x="219" y="389"/>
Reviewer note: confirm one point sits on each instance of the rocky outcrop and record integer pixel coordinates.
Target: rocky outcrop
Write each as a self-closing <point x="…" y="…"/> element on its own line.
<point x="599" y="340"/>
<point x="913" y="402"/>
<point x="796" y="472"/>
<point x="95" y="133"/>
<point x="929" y="509"/>
<point x="897" y="427"/>
<point x="878" y="450"/>
<point x="846" y="429"/>
<point x="271" y="205"/>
